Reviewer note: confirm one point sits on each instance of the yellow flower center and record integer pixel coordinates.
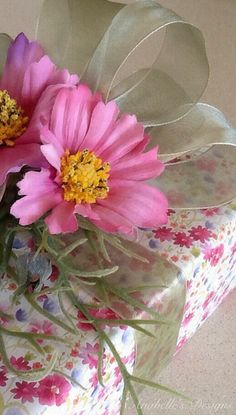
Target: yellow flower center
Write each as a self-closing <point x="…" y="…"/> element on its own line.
<point x="84" y="177"/>
<point x="12" y="120"/>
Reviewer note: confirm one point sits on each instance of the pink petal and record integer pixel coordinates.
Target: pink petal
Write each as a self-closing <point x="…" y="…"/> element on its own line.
<point x="62" y="219"/>
<point x="70" y="116"/>
<point x="101" y="124"/>
<point x="37" y="183"/>
<point x="142" y="167"/>
<point x="47" y="137"/>
<point x="137" y="150"/>
<point x="41" y="196"/>
<point x="127" y="134"/>
<point x="86" y="211"/>
<point x="31" y="135"/>
<point x="21" y="54"/>
<point x="63" y="76"/>
<point x="52" y="156"/>
<point x="38" y="77"/>
<point x="14" y="158"/>
<point x="110" y="221"/>
<point x="143" y="205"/>
<point x="41" y="116"/>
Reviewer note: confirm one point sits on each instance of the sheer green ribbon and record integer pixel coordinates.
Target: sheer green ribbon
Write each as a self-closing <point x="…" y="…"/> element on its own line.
<point x="5" y="41"/>
<point x="103" y="43"/>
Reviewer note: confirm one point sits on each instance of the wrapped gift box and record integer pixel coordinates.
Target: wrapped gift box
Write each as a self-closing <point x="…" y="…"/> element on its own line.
<point x="202" y="244"/>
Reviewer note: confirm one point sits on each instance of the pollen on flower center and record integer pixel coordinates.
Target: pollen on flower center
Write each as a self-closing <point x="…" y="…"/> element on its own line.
<point x="12" y="119"/>
<point x="84" y="177"/>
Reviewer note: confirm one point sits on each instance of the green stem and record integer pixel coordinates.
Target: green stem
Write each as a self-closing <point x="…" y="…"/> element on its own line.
<point x="105" y="338"/>
<point x="94" y="247"/>
<point x="27" y="336"/>
<point x="103" y="247"/>
<point x="66" y="314"/>
<point x="119" y="292"/>
<point x="159" y="387"/>
<point x="29" y="375"/>
<point x="123" y="400"/>
<point x="55" y="290"/>
<point x="71" y="248"/>
<point x="6" y="316"/>
<point x="127" y="322"/>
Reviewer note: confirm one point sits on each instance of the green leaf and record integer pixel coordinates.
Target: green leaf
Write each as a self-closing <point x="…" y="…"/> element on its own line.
<point x="70" y="248"/>
<point x="48" y="315"/>
<point x="128" y="252"/>
<point x="9" y="244"/>
<point x="89" y="274"/>
<point x="124" y="400"/>
<point x="159" y="387"/>
<point x="30" y="375"/>
<point x="120" y="292"/>
<point x="103" y="247"/>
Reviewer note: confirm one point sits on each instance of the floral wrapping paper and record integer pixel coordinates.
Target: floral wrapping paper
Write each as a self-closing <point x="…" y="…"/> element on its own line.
<point x="201" y="243"/>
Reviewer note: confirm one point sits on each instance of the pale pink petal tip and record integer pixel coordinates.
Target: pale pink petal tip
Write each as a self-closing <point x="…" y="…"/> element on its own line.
<point x="41" y="194"/>
<point x="62" y="219"/>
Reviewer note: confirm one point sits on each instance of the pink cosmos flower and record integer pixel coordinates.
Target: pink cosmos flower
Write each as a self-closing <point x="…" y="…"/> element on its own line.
<point x="53" y="390"/>
<point x="96" y="168"/>
<point x="27" y="73"/>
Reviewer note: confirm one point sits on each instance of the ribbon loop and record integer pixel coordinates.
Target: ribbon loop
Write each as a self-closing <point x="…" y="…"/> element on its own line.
<point x="205" y="181"/>
<point x="5" y="41"/>
<point x="202" y="127"/>
<point x="71" y="29"/>
<point x="177" y="75"/>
